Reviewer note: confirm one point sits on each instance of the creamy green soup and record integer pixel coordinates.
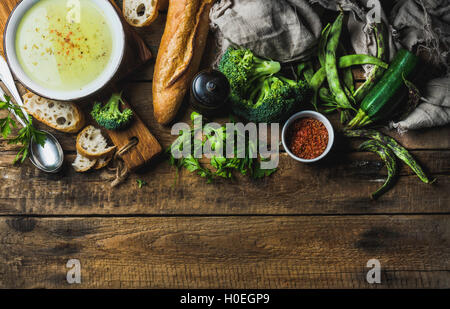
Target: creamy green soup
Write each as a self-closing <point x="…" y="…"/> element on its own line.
<point x="64" y="44"/>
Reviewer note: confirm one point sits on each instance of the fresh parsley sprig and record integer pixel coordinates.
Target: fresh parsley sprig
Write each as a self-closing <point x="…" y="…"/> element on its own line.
<point x="223" y="167"/>
<point x="25" y="134"/>
<point x="141" y="183"/>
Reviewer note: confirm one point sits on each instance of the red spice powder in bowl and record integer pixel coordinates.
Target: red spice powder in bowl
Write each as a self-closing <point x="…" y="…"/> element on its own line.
<point x="308" y="136"/>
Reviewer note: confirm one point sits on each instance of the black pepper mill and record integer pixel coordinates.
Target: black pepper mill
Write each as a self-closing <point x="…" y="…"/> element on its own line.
<point x="209" y="92"/>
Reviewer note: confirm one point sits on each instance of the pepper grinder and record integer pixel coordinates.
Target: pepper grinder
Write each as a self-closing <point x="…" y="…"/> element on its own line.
<point x="210" y="90"/>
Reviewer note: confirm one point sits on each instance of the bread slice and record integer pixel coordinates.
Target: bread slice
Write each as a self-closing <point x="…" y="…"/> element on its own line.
<point x="62" y="116"/>
<point x="103" y="162"/>
<point x="140" y="13"/>
<point x="83" y="164"/>
<point x="92" y="145"/>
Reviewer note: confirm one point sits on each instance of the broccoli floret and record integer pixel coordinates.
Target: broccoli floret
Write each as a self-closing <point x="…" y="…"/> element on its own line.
<point x="242" y="68"/>
<point x="109" y="116"/>
<point x="272" y="99"/>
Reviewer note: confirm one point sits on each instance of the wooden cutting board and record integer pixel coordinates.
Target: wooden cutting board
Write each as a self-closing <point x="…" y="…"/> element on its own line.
<point x="136" y="54"/>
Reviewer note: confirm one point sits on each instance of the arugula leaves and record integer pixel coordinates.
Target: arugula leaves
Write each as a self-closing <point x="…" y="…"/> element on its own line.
<point x="222" y="167"/>
<point x="25" y="134"/>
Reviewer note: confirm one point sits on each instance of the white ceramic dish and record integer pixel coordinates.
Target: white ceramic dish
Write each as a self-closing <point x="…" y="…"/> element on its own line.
<point x="118" y="50"/>
<point x="308" y="114"/>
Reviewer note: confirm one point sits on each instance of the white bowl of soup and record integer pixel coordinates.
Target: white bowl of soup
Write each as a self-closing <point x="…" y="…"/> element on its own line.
<point x="64" y="49"/>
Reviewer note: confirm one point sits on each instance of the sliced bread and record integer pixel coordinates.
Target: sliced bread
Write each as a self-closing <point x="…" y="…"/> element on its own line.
<point x="83" y="164"/>
<point x="101" y="163"/>
<point x="92" y="145"/>
<point x="62" y="116"/>
<point x="140" y="13"/>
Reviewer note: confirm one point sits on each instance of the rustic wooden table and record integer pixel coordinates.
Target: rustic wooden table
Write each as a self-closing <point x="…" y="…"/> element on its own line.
<point x="307" y="226"/>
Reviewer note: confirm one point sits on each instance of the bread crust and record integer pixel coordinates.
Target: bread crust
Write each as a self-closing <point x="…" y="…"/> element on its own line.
<point x="159" y="5"/>
<point x="77" y="115"/>
<point x="101" y="163"/>
<point x="82" y="170"/>
<point x="179" y="55"/>
<point x="81" y="151"/>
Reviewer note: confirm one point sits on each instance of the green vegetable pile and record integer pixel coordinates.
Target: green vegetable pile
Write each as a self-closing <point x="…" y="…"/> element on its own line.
<point x="25" y="134"/>
<point x="109" y="116"/>
<point x="335" y="69"/>
<point x="257" y="94"/>
<point x="389" y="150"/>
<point x="377" y="98"/>
<point x="222" y="167"/>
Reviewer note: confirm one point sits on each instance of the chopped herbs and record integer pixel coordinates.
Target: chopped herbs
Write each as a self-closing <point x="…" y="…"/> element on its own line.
<point x="222" y="167"/>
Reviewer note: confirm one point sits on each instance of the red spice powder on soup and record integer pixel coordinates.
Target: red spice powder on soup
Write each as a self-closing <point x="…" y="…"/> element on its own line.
<point x="307" y="138"/>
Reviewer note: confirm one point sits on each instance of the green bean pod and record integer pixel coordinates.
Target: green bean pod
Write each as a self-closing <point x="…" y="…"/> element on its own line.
<point x="331" y="64"/>
<point x="347" y="76"/>
<point x="323" y="44"/>
<point x="377" y="71"/>
<point x="360" y="59"/>
<point x="308" y="73"/>
<point x="389" y="160"/>
<point x="401" y="152"/>
<point x="346" y="62"/>
<point x="349" y="82"/>
<point x="315" y="84"/>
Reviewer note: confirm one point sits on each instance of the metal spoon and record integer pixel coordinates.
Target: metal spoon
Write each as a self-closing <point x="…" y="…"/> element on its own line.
<point x="48" y="158"/>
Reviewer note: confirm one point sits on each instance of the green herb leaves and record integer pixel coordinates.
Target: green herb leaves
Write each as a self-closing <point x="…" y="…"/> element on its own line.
<point x="25" y="134"/>
<point x="141" y="183"/>
<point x="215" y="138"/>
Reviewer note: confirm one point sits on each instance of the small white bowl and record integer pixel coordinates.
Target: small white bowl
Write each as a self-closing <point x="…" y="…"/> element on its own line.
<point x="118" y="50"/>
<point x="308" y="114"/>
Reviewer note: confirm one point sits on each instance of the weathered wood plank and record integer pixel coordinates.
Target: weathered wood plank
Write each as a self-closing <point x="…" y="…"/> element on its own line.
<point x="226" y="252"/>
<point x="340" y="185"/>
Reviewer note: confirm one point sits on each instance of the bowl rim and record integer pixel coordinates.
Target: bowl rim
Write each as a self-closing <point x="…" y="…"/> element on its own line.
<point x="308" y="114"/>
<point x="104" y="82"/>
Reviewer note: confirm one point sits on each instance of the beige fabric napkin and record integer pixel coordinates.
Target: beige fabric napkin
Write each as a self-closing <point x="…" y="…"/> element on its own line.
<point x="282" y="30"/>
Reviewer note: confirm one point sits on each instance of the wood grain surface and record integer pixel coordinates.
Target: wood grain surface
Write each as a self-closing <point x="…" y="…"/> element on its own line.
<point x="231" y="252"/>
<point x="307" y="226"/>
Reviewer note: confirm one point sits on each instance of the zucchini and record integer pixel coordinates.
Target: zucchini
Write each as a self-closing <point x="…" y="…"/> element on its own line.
<point x="388" y="92"/>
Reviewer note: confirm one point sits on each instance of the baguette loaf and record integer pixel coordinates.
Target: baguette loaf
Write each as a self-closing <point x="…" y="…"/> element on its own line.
<point x="63" y="116"/>
<point x="179" y="55"/>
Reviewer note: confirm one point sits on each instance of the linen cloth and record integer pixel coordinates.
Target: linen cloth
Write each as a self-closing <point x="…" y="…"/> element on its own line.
<point x="282" y="30"/>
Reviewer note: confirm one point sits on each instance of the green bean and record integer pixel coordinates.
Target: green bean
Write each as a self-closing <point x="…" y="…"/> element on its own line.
<point x="331" y="64"/>
<point x="389" y="160"/>
<point x="347" y="76"/>
<point x="323" y="44"/>
<point x="398" y="149"/>
<point x="377" y="71"/>
<point x="305" y="69"/>
<point x="349" y="82"/>
<point x="300" y="68"/>
<point x="308" y="72"/>
<point x="346" y="62"/>
<point x="315" y="84"/>
<point x="360" y="59"/>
